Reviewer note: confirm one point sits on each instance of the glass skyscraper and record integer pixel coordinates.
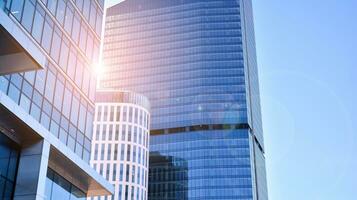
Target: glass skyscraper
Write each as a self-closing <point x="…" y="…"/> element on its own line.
<point x="47" y="89"/>
<point x="196" y="62"/>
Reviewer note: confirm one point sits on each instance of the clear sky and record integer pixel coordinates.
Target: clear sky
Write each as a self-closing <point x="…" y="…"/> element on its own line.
<point x="307" y="56"/>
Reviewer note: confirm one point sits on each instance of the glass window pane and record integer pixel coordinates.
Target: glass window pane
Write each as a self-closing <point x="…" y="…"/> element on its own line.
<point x="28" y="15"/>
<point x="74" y="110"/>
<point x="67" y="102"/>
<point x="72" y="60"/>
<point x="51" y="5"/>
<point x="99" y="23"/>
<point x="75" y="28"/>
<point x="64" y="55"/>
<point x="50" y="85"/>
<point x="56" y="44"/>
<point x="93" y="14"/>
<point x="47" y="34"/>
<point x="61" y="8"/>
<point x="79" y="73"/>
<point x="3" y="84"/>
<point x="38" y="24"/>
<point x="25" y="103"/>
<point x="16" y="8"/>
<point x="83" y="38"/>
<point x="68" y="18"/>
<point x="14" y="93"/>
<point x="59" y="94"/>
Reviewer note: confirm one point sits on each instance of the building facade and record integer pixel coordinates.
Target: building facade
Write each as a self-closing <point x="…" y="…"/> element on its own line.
<point x="196" y="62"/>
<point x="47" y="88"/>
<point x="121" y="143"/>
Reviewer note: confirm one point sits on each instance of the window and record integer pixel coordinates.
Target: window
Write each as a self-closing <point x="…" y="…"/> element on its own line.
<point x="83" y="38"/>
<point x="68" y="19"/>
<point x="79" y="73"/>
<point x="64" y="54"/>
<point x="59" y="94"/>
<point x="61" y="8"/>
<point x="82" y="118"/>
<point x="123" y="132"/>
<point x="27" y="89"/>
<point x="51" y="5"/>
<point x="93" y="15"/>
<point x="35" y="112"/>
<point x="3" y="84"/>
<point x="74" y="110"/>
<point x="89" y="49"/>
<point x="56" y="44"/>
<point x="89" y="124"/>
<point x="38" y="23"/>
<point x="16" y="8"/>
<point x="75" y="28"/>
<point x="67" y="102"/>
<point x="72" y="60"/>
<point x="47" y="34"/>
<point x="37" y="98"/>
<point x="86" y="79"/>
<point x="45" y="120"/>
<point x="99" y="23"/>
<point x="47" y="107"/>
<point x="30" y="76"/>
<point x="93" y="84"/>
<point x="79" y="4"/>
<point x="54" y="128"/>
<point x="128" y="153"/>
<point x="50" y="85"/>
<point x="109" y="152"/>
<point x="14" y="93"/>
<point x="86" y="7"/>
<point x="122" y="150"/>
<point x="28" y="15"/>
<point x="25" y="103"/>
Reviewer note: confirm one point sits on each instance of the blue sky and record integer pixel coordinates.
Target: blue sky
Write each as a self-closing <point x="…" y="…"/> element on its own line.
<point x="307" y="60"/>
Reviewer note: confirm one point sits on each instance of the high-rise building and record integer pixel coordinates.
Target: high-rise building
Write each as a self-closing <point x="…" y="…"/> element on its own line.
<point x="120" y="143"/>
<point x="196" y="62"/>
<point x="47" y="88"/>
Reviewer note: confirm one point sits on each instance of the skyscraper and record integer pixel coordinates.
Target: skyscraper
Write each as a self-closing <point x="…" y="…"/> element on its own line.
<point x="196" y="62"/>
<point x="47" y="87"/>
<point x="121" y="143"/>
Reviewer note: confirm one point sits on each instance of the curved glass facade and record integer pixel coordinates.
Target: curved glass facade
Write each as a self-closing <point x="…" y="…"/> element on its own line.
<point x="187" y="58"/>
<point x="121" y="143"/>
<point x="195" y="61"/>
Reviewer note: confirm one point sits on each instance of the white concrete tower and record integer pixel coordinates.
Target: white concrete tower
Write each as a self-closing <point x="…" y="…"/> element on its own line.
<point x="120" y="143"/>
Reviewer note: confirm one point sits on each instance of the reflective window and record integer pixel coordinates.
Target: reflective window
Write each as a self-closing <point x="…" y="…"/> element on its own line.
<point x="58" y="188"/>
<point x="74" y="110"/>
<point x="16" y="8"/>
<point x="58" y="99"/>
<point x="38" y="23"/>
<point x="56" y="44"/>
<point x="64" y="54"/>
<point x="72" y="63"/>
<point x="50" y="85"/>
<point x="61" y="8"/>
<point x="76" y="28"/>
<point x="28" y="15"/>
<point x="9" y="154"/>
<point x="47" y="34"/>
<point x="69" y="18"/>
<point x="51" y="5"/>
